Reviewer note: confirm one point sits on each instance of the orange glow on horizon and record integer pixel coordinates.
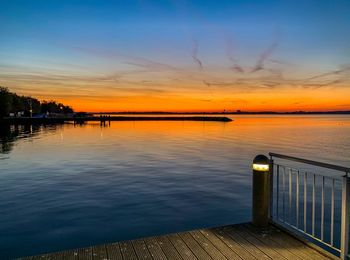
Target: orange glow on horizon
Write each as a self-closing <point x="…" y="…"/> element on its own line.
<point x="192" y="97"/>
<point x="250" y="102"/>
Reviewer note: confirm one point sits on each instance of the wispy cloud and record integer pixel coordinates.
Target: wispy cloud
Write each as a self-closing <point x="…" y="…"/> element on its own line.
<point x="194" y="54"/>
<point x="260" y="62"/>
<point x="328" y="79"/>
<point x="343" y="69"/>
<point x="230" y="56"/>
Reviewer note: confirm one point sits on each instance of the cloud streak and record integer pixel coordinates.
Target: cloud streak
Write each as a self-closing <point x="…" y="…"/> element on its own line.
<point x="260" y="62"/>
<point x="194" y="54"/>
<point x="229" y="54"/>
<point x="342" y="70"/>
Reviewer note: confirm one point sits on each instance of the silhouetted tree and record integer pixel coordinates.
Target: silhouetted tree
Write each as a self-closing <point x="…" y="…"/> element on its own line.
<point x="53" y="107"/>
<point x="18" y="103"/>
<point x="5" y="102"/>
<point x="12" y="103"/>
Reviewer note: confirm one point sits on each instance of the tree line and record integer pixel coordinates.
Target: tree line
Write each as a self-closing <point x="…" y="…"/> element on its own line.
<point x="13" y="103"/>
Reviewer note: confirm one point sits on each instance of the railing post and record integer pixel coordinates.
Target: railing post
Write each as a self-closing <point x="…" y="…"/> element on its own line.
<point x="345" y="215"/>
<point x="261" y="191"/>
<point x="271" y="189"/>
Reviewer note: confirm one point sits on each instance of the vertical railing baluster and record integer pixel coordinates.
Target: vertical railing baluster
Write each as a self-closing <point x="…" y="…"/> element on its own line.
<point x="305" y="200"/>
<point x="278" y="190"/>
<point x="297" y="200"/>
<point x="322" y="210"/>
<point x="345" y="215"/>
<point x="283" y="194"/>
<point x="271" y="189"/>
<point x="313" y="204"/>
<point x="332" y="213"/>
<point x="290" y="196"/>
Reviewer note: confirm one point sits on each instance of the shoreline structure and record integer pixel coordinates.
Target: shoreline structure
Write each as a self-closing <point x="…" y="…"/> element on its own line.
<point x="226" y="113"/>
<point x="103" y="119"/>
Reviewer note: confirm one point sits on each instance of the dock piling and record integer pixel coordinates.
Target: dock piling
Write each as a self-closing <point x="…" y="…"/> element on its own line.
<point x="261" y="191"/>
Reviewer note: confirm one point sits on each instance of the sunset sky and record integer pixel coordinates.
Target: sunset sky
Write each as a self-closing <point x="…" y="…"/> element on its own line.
<point x="178" y="55"/>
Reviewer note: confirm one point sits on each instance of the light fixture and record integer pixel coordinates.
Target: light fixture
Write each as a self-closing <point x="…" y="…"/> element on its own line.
<point x="260" y="167"/>
<point x="261" y="163"/>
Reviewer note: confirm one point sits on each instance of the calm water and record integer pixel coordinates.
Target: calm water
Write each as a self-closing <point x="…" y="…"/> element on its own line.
<point x="65" y="187"/>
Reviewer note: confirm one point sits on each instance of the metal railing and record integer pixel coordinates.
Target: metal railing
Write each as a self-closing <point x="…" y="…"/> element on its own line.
<point x="315" y="205"/>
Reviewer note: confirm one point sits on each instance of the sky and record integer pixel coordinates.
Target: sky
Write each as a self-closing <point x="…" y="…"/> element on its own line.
<point x="178" y="55"/>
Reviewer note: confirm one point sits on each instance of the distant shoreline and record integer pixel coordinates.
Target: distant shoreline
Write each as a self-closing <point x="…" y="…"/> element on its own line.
<point x="61" y="120"/>
<point x="225" y="113"/>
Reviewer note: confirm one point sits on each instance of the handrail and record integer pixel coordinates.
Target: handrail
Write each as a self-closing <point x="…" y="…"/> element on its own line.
<point x="315" y="163"/>
<point x="310" y="203"/>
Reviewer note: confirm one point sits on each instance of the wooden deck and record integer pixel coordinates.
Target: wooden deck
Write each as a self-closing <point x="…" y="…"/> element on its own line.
<point x="241" y="241"/>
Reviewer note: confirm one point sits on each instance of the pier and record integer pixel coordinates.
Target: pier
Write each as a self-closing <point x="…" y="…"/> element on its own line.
<point x="280" y="228"/>
<point x="104" y="119"/>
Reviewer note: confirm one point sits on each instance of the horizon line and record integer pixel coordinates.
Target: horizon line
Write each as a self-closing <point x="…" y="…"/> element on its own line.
<point x="225" y="112"/>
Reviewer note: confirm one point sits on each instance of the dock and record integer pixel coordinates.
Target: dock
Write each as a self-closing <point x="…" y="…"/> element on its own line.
<point x="239" y="241"/>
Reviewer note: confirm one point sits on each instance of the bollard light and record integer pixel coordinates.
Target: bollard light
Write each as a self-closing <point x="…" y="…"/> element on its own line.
<point x="261" y="163"/>
<point x="260" y="167"/>
<point x="261" y="188"/>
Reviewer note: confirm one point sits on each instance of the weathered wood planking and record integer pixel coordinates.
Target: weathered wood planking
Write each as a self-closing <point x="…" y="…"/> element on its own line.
<point x="241" y="241"/>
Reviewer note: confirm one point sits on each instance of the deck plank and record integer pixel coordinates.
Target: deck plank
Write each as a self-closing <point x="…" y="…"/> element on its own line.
<point x="168" y="248"/>
<point x="141" y="249"/>
<point x="278" y="239"/>
<point x="207" y="246"/>
<point x="181" y="247"/>
<point x="236" y="242"/>
<point x="84" y="253"/>
<point x="197" y="250"/>
<point x="220" y="245"/>
<point x="127" y="250"/>
<point x="234" y="245"/>
<point x="99" y="252"/>
<point x="52" y="256"/>
<point x="67" y="255"/>
<point x="253" y="240"/>
<point x="114" y="252"/>
<point x="265" y="238"/>
<point x="40" y="257"/>
<point x="251" y="248"/>
<point x="155" y="249"/>
<point x="302" y="250"/>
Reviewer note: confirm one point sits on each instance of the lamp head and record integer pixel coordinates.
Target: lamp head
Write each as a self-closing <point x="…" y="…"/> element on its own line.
<point x="261" y="163"/>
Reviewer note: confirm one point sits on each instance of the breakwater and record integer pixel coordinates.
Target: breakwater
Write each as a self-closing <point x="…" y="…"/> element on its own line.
<point x="28" y="120"/>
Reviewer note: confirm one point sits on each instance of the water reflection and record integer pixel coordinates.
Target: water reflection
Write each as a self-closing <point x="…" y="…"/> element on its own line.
<point x="82" y="123"/>
<point x="9" y="134"/>
<point x="68" y="186"/>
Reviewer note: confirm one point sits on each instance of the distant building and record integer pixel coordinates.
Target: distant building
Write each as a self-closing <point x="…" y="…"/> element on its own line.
<point x="20" y="113"/>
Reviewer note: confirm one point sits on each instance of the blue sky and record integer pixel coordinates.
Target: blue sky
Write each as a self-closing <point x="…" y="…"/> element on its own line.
<point x="48" y="39"/>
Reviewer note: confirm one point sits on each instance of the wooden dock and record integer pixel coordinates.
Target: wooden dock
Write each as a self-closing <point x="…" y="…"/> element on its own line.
<point x="240" y="241"/>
